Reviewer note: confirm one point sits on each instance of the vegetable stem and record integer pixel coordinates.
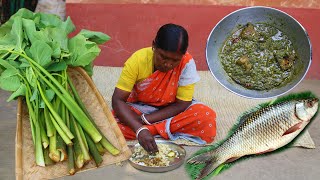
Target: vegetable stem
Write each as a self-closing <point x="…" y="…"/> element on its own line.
<point x="105" y="143"/>
<point x="56" y="116"/>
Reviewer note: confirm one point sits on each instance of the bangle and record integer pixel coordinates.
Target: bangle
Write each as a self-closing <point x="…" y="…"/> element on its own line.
<point x="139" y="130"/>
<point x="144" y="119"/>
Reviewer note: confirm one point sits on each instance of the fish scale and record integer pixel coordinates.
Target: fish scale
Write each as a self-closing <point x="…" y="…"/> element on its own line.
<point x="261" y="131"/>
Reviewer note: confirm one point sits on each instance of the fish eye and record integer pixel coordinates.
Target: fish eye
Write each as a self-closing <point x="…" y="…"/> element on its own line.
<point x="309" y="104"/>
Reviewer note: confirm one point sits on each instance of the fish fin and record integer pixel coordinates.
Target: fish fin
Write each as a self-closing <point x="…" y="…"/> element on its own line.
<point x="208" y="168"/>
<point x="201" y="158"/>
<point x="211" y="163"/>
<point x="293" y="129"/>
<point x="232" y="159"/>
<point x="266" y="151"/>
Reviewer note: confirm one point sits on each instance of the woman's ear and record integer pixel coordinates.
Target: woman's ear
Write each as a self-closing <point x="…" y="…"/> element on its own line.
<point x="153" y="45"/>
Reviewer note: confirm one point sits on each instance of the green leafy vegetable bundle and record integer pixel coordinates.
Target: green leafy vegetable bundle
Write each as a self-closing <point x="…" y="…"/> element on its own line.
<point x="35" y="52"/>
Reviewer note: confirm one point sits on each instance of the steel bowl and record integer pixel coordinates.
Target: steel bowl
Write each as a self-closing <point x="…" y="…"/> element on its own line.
<point x="258" y="14"/>
<point x="174" y="164"/>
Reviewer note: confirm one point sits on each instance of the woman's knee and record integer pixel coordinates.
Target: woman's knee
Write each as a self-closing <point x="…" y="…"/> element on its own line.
<point x="203" y="110"/>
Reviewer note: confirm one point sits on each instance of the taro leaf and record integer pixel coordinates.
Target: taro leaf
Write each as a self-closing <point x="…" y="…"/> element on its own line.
<point x="50" y="20"/>
<point x="21" y="91"/>
<point x="57" y="66"/>
<point x="14" y="64"/>
<point x="4" y="50"/>
<point x="30" y="76"/>
<point x="41" y="53"/>
<point x="49" y="95"/>
<point x="8" y="65"/>
<point x="89" y="69"/>
<point x="55" y="46"/>
<point x="17" y="33"/>
<point x="97" y="37"/>
<point x="4" y="54"/>
<point x="43" y="36"/>
<point x="36" y="19"/>
<point x="24" y="63"/>
<point x="8" y="40"/>
<point x="6" y="47"/>
<point x="12" y="57"/>
<point x="27" y="51"/>
<point x="82" y="52"/>
<point x="58" y="35"/>
<point x="6" y="28"/>
<point x="30" y="29"/>
<point x="35" y="95"/>
<point x="68" y="26"/>
<point x="9" y="80"/>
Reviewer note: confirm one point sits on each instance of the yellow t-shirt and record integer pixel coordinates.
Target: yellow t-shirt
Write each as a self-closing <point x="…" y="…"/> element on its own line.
<point x="139" y="67"/>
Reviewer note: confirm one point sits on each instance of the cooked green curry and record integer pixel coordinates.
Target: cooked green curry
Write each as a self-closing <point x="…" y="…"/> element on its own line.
<point x="259" y="57"/>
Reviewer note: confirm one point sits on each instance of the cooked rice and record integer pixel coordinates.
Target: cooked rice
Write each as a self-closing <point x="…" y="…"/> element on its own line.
<point x="160" y="159"/>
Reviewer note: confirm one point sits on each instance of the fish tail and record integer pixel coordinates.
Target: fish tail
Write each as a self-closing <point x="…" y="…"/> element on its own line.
<point x="211" y="163"/>
<point x="208" y="168"/>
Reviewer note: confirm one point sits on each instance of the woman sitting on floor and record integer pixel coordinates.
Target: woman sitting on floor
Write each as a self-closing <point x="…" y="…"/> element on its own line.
<point x="154" y="94"/>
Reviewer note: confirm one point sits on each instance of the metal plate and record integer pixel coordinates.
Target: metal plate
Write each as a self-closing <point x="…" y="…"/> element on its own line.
<point x="258" y="14"/>
<point x="174" y="163"/>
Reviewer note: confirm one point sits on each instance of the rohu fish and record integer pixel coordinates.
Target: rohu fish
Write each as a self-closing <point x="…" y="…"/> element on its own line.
<point x="264" y="130"/>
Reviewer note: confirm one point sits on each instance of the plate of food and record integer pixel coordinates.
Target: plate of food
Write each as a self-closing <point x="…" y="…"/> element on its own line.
<point x="169" y="157"/>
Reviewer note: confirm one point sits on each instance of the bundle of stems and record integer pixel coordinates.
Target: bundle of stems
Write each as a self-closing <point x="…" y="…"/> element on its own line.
<point x="35" y="53"/>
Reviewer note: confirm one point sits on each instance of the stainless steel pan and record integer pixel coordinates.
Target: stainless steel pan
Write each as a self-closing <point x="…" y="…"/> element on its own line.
<point x="258" y="14"/>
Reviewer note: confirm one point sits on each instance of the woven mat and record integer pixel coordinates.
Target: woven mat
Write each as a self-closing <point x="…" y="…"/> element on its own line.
<point x="227" y="105"/>
<point x="25" y="158"/>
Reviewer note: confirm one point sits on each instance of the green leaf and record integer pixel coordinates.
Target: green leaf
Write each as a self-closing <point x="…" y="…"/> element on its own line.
<point x="89" y="69"/>
<point x="50" y="20"/>
<point x="58" y="35"/>
<point x="9" y="81"/>
<point x="4" y="50"/>
<point x="30" y="29"/>
<point x="42" y="36"/>
<point x="68" y="26"/>
<point x="50" y="95"/>
<point x="97" y="37"/>
<point x="21" y="91"/>
<point x="15" y="65"/>
<point x="6" y="47"/>
<point x="8" y="40"/>
<point x="23" y="13"/>
<point x="55" y="46"/>
<point x="24" y="63"/>
<point x="35" y="95"/>
<point x="17" y="33"/>
<point x="9" y="66"/>
<point x="82" y="52"/>
<point x="57" y="66"/>
<point x="30" y="76"/>
<point x="41" y="53"/>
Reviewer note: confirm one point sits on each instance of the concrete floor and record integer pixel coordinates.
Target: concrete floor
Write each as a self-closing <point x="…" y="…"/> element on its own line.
<point x="293" y="163"/>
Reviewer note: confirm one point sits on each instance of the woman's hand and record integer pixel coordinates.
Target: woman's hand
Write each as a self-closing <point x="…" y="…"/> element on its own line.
<point x="146" y="140"/>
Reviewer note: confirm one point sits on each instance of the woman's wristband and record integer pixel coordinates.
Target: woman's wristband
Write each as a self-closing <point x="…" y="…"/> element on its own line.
<point x="139" y="130"/>
<point x="144" y="119"/>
